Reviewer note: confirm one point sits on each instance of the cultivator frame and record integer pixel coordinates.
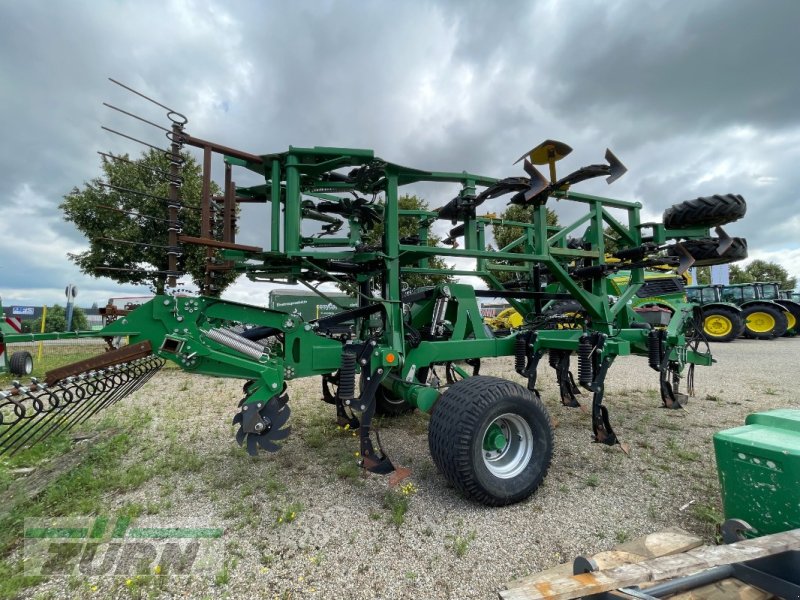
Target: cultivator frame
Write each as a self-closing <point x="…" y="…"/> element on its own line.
<point x="324" y="202"/>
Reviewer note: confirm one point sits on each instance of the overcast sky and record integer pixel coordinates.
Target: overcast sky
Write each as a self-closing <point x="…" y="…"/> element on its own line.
<point x="695" y="97"/>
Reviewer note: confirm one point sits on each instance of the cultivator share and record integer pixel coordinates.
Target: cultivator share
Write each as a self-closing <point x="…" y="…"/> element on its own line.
<point x="411" y="348"/>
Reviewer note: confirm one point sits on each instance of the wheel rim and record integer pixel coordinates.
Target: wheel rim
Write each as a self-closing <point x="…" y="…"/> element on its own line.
<point x="28" y="365"/>
<point x="791" y="321"/>
<point x="507" y="446"/>
<point x="718" y="325"/>
<point x="760" y="322"/>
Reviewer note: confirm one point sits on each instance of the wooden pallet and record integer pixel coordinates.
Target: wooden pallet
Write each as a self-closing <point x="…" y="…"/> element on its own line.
<point x="653" y="558"/>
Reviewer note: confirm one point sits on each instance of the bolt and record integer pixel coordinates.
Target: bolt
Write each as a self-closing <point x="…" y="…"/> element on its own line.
<point x="363" y="361"/>
<point x="244" y="407"/>
<point x="363" y="407"/>
<point x="166" y="302"/>
<point x="274" y="386"/>
<point x="373" y="343"/>
<point x="259" y="427"/>
<point x="179" y="319"/>
<point x="380" y="371"/>
<point x="347" y="402"/>
<point x="258" y="405"/>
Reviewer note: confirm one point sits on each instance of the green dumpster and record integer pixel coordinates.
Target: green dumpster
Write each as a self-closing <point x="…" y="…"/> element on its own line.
<point x="759" y="470"/>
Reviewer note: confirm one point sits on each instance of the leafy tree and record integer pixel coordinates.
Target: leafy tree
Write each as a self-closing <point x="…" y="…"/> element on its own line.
<point x="131" y="242"/>
<point x="762" y="270"/>
<point x="505" y="234"/>
<point x="56" y="320"/>
<point x="408" y="229"/>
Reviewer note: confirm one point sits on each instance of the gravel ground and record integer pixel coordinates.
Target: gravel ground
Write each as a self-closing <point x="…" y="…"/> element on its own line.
<point x="343" y="541"/>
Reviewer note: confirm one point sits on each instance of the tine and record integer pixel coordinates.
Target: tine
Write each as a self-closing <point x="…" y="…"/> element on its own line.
<point x="268" y="444"/>
<point x="279" y="418"/>
<point x="240" y="436"/>
<point x="237" y="419"/>
<point x="279" y="434"/>
<point x="252" y="445"/>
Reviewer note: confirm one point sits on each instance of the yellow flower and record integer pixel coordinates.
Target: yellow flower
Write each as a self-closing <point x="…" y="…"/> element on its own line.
<point x="129" y="582"/>
<point x="356" y="454"/>
<point x="94" y="588"/>
<point x="300" y="578"/>
<point x="346" y="427"/>
<point x="157" y="570"/>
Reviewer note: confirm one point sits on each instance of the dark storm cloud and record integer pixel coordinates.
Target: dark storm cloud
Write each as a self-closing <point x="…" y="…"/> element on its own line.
<point x="695" y="98"/>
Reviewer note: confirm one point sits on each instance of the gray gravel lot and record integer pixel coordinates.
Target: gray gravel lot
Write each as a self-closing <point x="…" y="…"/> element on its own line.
<point x="343" y="542"/>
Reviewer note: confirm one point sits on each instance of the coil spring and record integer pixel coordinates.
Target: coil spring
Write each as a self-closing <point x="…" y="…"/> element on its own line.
<point x="553" y="357"/>
<point x="235" y="342"/>
<point x="347" y="377"/>
<point x="585" y="372"/>
<point x="654" y="350"/>
<point x="520" y="354"/>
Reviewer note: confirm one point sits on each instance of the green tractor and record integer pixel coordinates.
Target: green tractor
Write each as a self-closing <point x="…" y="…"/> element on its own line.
<point x="753" y="310"/>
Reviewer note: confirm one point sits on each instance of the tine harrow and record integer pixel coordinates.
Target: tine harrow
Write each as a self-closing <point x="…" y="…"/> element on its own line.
<point x="31" y="413"/>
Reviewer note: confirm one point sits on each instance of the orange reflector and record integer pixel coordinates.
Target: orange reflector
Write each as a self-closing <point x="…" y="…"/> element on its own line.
<point x="390" y="358"/>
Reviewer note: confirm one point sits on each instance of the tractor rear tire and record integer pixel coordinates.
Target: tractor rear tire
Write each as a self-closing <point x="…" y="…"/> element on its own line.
<point x="492" y="439"/>
<point x="792" y="311"/>
<point x="704" y="251"/>
<point x="706" y="211"/>
<point x="722" y="324"/>
<point x="763" y="322"/>
<point x="20" y="363"/>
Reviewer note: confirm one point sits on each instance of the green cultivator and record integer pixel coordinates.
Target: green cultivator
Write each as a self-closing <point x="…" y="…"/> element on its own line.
<point x="411" y="348"/>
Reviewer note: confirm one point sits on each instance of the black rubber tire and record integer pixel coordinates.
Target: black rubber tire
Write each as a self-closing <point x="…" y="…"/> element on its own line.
<point x="20" y="363"/>
<point x="706" y="211"/>
<point x="704" y="251"/>
<point x="733" y="316"/>
<point x="793" y="308"/>
<point x="781" y="324"/>
<point x="458" y="424"/>
<point x="566" y="307"/>
<point x="389" y="405"/>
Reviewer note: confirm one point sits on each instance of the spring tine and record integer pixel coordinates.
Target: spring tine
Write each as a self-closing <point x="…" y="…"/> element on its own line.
<point x="133" y="139"/>
<point x="169" y="176"/>
<point x="132" y="213"/>
<point x="125" y="112"/>
<point x="130" y="191"/>
<point x="43" y="411"/>
<point x="130" y="243"/>
<point x="140" y="94"/>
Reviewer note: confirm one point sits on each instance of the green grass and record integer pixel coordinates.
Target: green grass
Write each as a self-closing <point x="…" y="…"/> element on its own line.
<point x="81" y="491"/>
<point x="397" y="504"/>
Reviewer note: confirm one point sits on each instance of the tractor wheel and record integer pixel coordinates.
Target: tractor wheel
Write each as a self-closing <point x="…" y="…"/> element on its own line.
<point x="20" y="363"/>
<point x="763" y="322"/>
<point x="704" y="251"/>
<point x="722" y="324"/>
<point x="491" y="439"/>
<point x="389" y="405"/>
<point x="708" y="211"/>
<point x="792" y="312"/>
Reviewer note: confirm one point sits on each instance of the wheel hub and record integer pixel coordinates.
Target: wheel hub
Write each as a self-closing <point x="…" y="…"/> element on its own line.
<point x="507" y="446"/>
<point x="760" y="322"/>
<point x="718" y="325"/>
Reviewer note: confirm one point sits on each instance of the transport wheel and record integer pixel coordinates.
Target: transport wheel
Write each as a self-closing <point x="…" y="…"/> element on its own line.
<point x="492" y="439"/>
<point x="704" y="251"/>
<point x="763" y="322"/>
<point x="722" y="324"/>
<point x="21" y="363"/>
<point x="706" y="211"/>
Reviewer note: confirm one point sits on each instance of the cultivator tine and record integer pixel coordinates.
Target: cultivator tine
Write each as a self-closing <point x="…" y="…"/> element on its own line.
<point x="40" y="411"/>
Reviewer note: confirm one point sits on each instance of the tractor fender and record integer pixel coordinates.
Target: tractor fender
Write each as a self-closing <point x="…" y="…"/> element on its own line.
<point x="727" y="305"/>
<point x="761" y="303"/>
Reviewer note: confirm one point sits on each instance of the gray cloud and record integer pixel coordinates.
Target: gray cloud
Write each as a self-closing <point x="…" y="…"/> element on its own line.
<point x="696" y="98"/>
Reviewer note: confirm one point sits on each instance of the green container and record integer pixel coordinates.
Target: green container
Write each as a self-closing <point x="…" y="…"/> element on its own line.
<point x="759" y="471"/>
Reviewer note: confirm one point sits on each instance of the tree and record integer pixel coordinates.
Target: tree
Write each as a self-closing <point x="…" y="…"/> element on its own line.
<point x="135" y="241"/>
<point x="762" y="270"/>
<point x="506" y="234"/>
<point x="56" y="320"/>
<point x="409" y="228"/>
